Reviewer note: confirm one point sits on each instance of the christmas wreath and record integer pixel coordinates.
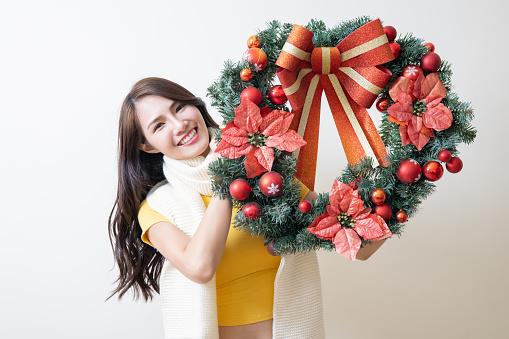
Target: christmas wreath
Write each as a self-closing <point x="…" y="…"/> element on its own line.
<point x="391" y="170"/>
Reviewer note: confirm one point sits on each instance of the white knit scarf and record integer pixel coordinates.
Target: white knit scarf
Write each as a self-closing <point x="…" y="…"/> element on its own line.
<point x="190" y="309"/>
<point x="179" y="200"/>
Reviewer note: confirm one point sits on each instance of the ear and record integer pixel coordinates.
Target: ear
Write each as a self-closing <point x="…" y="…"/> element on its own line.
<point x="148" y="148"/>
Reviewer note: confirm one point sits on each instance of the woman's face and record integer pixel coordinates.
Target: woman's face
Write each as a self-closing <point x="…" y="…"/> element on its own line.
<point x="172" y="128"/>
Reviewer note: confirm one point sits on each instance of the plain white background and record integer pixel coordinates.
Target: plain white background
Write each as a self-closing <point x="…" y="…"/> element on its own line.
<point x="65" y="68"/>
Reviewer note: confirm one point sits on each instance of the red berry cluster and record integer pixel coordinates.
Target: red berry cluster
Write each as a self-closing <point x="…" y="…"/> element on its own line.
<point x="391" y="35"/>
<point x="270" y="184"/>
<point x="453" y="164"/>
<point x="410" y="171"/>
<point x="258" y="59"/>
<point x="430" y="62"/>
<point x="383" y="209"/>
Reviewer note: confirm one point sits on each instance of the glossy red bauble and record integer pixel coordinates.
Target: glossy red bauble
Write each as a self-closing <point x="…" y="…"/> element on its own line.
<point x="390" y="32"/>
<point x="246" y="74"/>
<point x="378" y="196"/>
<point x="252" y="210"/>
<point x="430" y="46"/>
<point x="240" y="189"/>
<point x="401" y="216"/>
<point x="382" y="104"/>
<point x="409" y="171"/>
<point x="251" y="93"/>
<point x="253" y="41"/>
<point x="304" y="206"/>
<point x="277" y="95"/>
<point x="444" y="155"/>
<point x="454" y="165"/>
<point x="412" y="72"/>
<point x="430" y="62"/>
<point x="432" y="170"/>
<point x="270" y="248"/>
<point x="271" y="184"/>
<point x="396" y="49"/>
<point x="384" y="211"/>
<point x="257" y="58"/>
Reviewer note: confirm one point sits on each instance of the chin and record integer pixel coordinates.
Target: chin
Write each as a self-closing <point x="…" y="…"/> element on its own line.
<point x="206" y="151"/>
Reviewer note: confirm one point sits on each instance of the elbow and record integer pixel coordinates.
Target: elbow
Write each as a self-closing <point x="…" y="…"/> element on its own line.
<point x="201" y="274"/>
<point x="203" y="278"/>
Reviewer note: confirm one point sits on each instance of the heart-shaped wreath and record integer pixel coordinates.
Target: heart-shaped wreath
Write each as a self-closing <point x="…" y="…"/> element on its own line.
<point x="423" y="122"/>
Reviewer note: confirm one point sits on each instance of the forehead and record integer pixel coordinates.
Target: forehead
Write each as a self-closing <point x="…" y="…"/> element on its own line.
<point x="151" y="106"/>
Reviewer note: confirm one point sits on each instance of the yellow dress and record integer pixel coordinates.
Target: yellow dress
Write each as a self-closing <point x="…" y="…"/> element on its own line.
<point x="245" y="276"/>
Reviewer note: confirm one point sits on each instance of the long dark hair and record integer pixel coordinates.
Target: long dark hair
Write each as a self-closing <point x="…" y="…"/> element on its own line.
<point x="140" y="264"/>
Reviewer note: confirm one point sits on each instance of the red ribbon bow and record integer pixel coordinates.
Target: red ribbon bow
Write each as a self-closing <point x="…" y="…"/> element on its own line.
<point x="351" y="77"/>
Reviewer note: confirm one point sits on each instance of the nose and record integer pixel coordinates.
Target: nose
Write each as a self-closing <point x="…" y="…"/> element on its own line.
<point x="179" y="125"/>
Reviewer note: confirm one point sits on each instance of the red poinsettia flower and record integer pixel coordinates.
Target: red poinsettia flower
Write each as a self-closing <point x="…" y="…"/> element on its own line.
<point x="418" y="109"/>
<point x="253" y="132"/>
<point x="346" y="220"/>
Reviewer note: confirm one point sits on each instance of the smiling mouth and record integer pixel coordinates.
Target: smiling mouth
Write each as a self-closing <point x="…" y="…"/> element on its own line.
<point x="188" y="137"/>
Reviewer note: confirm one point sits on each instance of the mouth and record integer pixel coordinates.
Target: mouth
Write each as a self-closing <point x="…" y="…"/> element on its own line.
<point x="189" y="138"/>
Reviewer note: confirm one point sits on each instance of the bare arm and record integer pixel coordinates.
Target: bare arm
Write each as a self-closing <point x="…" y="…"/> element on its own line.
<point x="198" y="257"/>
<point x="365" y="252"/>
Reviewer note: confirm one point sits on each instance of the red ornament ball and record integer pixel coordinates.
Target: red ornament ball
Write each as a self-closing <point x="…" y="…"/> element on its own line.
<point x="270" y="248"/>
<point x="454" y="165"/>
<point x="409" y="171"/>
<point x="382" y="104"/>
<point x="305" y="206"/>
<point x="253" y="41"/>
<point x="412" y="72"/>
<point x="401" y="216"/>
<point x="277" y="95"/>
<point x="251" y="93"/>
<point x="271" y="184"/>
<point x="252" y="210"/>
<point x="240" y="189"/>
<point x="257" y="58"/>
<point x="396" y="49"/>
<point x="430" y="46"/>
<point x="390" y="32"/>
<point x="430" y="62"/>
<point x="444" y="155"/>
<point x="432" y="170"/>
<point x="378" y="196"/>
<point x="384" y="210"/>
<point x="246" y="74"/>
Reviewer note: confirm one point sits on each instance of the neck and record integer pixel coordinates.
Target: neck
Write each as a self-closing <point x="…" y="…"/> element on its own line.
<point x="190" y="172"/>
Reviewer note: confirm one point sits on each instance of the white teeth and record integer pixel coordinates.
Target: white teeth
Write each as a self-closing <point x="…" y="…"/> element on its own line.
<point x="188" y="137"/>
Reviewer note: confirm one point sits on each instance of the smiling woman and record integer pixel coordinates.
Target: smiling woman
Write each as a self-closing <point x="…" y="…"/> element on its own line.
<point x="171" y="236"/>
<point x="138" y="171"/>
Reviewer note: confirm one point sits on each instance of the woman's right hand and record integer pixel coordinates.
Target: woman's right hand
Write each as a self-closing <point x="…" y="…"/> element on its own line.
<point x="199" y="256"/>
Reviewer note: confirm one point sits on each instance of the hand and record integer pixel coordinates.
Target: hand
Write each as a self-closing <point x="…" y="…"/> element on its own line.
<point x="212" y="143"/>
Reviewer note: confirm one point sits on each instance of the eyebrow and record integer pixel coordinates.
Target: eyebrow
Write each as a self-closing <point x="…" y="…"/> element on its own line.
<point x="172" y="106"/>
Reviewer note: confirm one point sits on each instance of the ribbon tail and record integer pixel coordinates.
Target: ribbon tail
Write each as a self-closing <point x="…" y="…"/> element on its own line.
<point x="306" y="123"/>
<point x="371" y="133"/>
<point x="358" y="134"/>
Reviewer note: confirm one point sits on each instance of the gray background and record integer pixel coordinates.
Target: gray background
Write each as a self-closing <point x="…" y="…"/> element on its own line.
<point x="65" y="68"/>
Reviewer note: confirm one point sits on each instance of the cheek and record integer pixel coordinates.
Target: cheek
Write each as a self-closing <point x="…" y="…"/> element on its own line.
<point x="197" y="116"/>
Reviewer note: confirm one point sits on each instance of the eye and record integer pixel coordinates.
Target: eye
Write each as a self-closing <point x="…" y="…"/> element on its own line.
<point x="157" y="126"/>
<point x="179" y="107"/>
